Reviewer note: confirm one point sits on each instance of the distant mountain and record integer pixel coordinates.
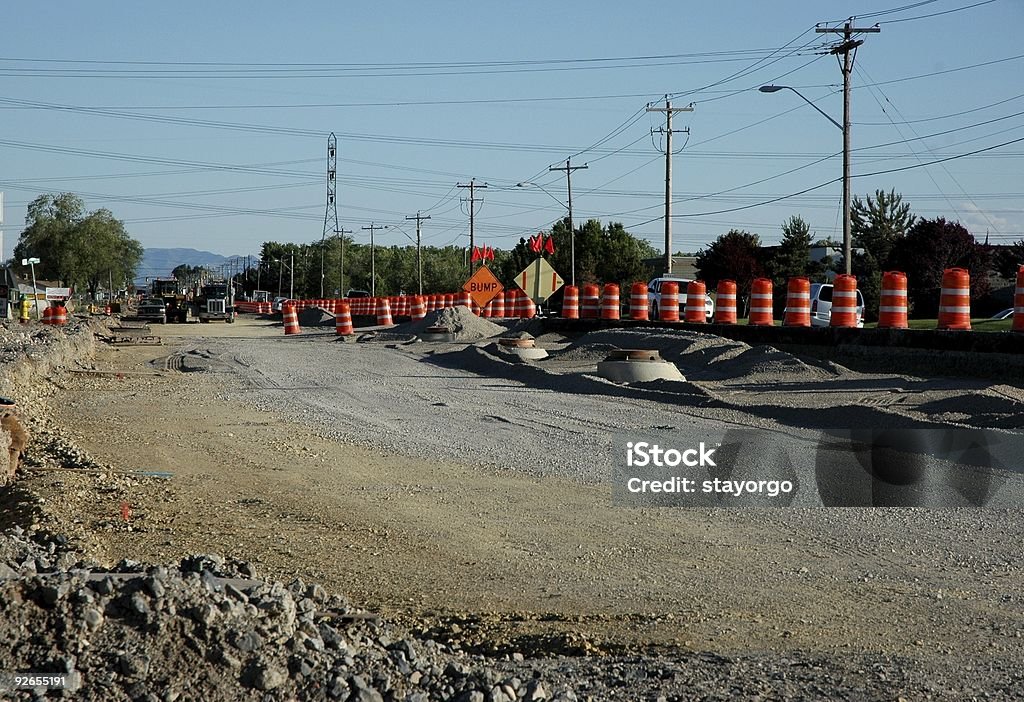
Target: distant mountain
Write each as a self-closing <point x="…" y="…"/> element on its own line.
<point x="160" y="262"/>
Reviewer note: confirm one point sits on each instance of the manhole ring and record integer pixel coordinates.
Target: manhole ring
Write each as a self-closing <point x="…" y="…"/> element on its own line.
<point x="634" y="355"/>
<point x="517" y="343"/>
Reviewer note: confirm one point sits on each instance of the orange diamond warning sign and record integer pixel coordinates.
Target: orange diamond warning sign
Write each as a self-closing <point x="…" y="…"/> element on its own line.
<point x="482" y="286"/>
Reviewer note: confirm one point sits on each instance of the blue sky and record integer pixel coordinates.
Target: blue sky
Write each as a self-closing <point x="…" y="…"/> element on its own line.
<point x="204" y="124"/>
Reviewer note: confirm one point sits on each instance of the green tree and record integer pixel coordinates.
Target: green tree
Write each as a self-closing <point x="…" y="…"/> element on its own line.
<point x="736" y="255"/>
<point x="930" y="247"/>
<point x="879" y="223"/>
<point x="75" y="247"/>
<point x="1010" y="259"/>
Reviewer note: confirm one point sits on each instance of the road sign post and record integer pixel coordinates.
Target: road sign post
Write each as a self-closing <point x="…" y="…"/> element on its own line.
<point x="539" y="280"/>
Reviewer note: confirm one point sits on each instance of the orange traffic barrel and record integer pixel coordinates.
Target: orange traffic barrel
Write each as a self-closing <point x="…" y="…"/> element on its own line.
<point x="695" y="310"/>
<point x="638" y="302"/>
<point x="106" y="310"/>
<point x="463" y="299"/>
<point x="449" y="300"/>
<point x="384" y="313"/>
<point x="47" y="315"/>
<point x="343" y="321"/>
<point x="419" y="307"/>
<point x="892" y="303"/>
<point x="610" y="301"/>
<point x="60" y="316"/>
<point x="571" y="302"/>
<point x="798" y="303"/>
<point x="761" y="312"/>
<point x="589" y="301"/>
<point x="1018" y="302"/>
<point x="488" y="309"/>
<point x="955" y="299"/>
<point x="498" y="305"/>
<point x="291" y="319"/>
<point x="668" y="307"/>
<point x="526" y="305"/>
<point x="844" y="301"/>
<point x="725" y="302"/>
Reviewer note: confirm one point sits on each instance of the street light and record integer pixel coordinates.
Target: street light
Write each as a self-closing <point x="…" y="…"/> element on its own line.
<point x="35" y="300"/>
<point x="572" y="232"/>
<point x="845" y="129"/>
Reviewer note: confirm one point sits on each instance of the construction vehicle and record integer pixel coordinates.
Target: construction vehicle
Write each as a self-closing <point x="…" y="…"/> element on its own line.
<point x="215" y="300"/>
<point x="172" y="292"/>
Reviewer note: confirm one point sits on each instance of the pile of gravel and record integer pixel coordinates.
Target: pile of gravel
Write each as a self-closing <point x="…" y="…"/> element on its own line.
<point x="460" y="321"/>
<point x="20" y="340"/>
<point x="212" y="629"/>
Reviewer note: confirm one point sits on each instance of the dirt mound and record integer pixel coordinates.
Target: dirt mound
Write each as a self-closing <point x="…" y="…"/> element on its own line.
<point x="460" y="321"/>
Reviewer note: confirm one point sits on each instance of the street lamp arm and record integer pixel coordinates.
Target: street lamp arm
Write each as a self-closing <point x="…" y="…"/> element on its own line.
<point x="776" y="88"/>
<point x="526" y="183"/>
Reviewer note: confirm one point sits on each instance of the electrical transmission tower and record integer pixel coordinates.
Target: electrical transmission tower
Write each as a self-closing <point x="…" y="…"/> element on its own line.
<point x="331" y="213"/>
<point x="667" y="131"/>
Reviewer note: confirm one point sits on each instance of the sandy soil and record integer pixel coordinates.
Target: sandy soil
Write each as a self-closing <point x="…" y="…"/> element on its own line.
<point x="500" y="560"/>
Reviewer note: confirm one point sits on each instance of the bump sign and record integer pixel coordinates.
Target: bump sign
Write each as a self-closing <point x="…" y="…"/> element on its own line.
<point x="482" y="286"/>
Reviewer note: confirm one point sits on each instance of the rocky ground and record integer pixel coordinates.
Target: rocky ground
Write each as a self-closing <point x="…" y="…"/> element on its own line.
<point x="490" y="585"/>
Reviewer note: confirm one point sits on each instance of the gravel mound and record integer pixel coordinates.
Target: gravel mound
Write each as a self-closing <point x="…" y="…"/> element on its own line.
<point x="315" y="317"/>
<point x="460" y="321"/>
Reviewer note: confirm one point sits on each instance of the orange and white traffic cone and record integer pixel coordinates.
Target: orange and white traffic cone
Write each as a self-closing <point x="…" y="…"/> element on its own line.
<point x="695" y="311"/>
<point x="668" y="307"/>
<point x="844" y="301"/>
<point x="291" y="319"/>
<point x="892" y="304"/>
<point x="571" y="302"/>
<point x="590" y="301"/>
<point x="798" y="303"/>
<point x="384" y="313"/>
<point x="638" y="302"/>
<point x="343" y="321"/>
<point x="419" y="307"/>
<point x="725" y="302"/>
<point x="761" y="312"/>
<point x="610" y="301"/>
<point x="955" y="300"/>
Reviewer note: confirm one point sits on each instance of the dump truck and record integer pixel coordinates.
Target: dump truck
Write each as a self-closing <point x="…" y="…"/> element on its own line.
<point x="214" y="300"/>
<point x="176" y="303"/>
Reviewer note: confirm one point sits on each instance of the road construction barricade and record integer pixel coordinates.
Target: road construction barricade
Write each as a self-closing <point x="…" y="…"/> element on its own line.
<point x="892" y="304"/>
<point x="384" y="313"/>
<point x="844" y="301"/>
<point x="449" y="300"/>
<point x="725" y="302"/>
<point x="1018" y="302"/>
<point x="761" y="312"/>
<point x="798" y="303"/>
<point x="419" y="307"/>
<point x="498" y="306"/>
<point x="487" y="309"/>
<point x="343" y="321"/>
<point x="475" y="308"/>
<point x="47" y="316"/>
<point x="512" y="303"/>
<point x="590" y="301"/>
<point x="638" y="302"/>
<point x="668" y="307"/>
<point x="571" y="302"/>
<point x="60" y="316"/>
<point x="955" y="300"/>
<point x="610" y="301"/>
<point x="291" y="319"/>
<point x="463" y="299"/>
<point x="525" y="307"/>
<point x="695" y="310"/>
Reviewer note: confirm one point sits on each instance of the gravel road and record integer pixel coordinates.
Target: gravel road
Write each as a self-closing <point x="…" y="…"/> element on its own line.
<point x="467" y="497"/>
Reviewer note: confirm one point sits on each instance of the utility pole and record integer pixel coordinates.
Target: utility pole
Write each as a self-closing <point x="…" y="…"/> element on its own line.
<point x="569" y="168"/>
<point x="667" y="131"/>
<point x="331" y="213"/>
<point x="848" y="49"/>
<point x="373" y="263"/>
<point x="419" y="258"/>
<point x="472" y="203"/>
<point x="341" y="264"/>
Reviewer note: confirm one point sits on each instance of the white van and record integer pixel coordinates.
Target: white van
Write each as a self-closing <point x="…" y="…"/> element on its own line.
<point x="654" y="297"/>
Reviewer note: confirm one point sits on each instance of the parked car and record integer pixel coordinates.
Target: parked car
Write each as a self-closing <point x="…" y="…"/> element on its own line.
<point x="821" y="305"/>
<point x="275" y="306"/>
<point x="152" y="309"/>
<point x="357" y="293"/>
<point x="654" y="297"/>
<point x="1005" y="314"/>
